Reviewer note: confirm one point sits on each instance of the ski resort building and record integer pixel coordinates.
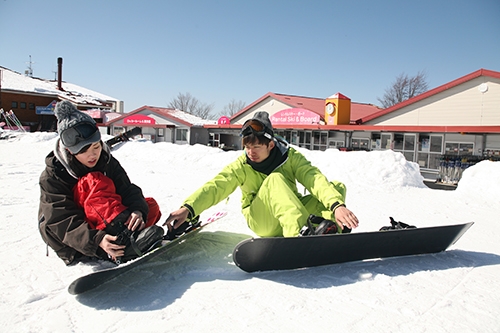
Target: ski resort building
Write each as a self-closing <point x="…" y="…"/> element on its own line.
<point x="163" y="125"/>
<point x="447" y="127"/>
<point x="32" y="99"/>
<point x="443" y="130"/>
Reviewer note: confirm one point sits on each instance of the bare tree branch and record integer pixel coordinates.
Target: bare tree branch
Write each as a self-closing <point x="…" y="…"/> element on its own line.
<point x="187" y="103"/>
<point x="232" y="108"/>
<point x="403" y="88"/>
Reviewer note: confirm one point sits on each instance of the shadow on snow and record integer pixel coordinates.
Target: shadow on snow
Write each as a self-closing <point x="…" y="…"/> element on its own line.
<point x="158" y="283"/>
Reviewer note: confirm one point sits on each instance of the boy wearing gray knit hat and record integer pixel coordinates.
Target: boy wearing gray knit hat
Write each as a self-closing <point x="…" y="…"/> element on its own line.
<point x="76" y="129"/>
<point x="87" y="198"/>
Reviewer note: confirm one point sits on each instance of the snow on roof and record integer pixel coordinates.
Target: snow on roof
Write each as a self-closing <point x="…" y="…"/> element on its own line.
<point x="192" y="119"/>
<point x="12" y="80"/>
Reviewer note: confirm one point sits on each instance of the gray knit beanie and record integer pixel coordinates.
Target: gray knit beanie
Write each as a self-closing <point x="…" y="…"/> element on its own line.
<point x="76" y="129"/>
<point x="263" y="118"/>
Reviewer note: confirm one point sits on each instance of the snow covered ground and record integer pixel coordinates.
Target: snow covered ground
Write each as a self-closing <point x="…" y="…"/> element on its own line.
<point x="201" y="290"/>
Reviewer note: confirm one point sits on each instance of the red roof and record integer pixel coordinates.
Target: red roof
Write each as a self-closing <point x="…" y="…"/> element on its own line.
<point x="317" y="105"/>
<point x="166" y="112"/>
<point x="454" y="83"/>
<point x="375" y="128"/>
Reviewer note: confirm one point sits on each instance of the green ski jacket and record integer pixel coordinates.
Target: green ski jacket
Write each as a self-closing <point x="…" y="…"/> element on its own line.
<point x="240" y="174"/>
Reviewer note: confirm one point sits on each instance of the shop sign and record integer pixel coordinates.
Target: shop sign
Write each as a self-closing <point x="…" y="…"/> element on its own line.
<point x="139" y="119"/>
<point x="295" y="116"/>
<point x="223" y="121"/>
<point x="48" y="110"/>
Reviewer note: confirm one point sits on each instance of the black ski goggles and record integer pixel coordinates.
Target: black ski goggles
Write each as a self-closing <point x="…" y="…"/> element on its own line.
<point x="254" y="127"/>
<point x="78" y="133"/>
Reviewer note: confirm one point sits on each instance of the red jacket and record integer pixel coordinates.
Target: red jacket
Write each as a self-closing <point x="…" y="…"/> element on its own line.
<point x="96" y="194"/>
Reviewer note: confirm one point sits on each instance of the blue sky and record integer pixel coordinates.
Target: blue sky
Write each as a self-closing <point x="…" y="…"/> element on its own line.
<point x="147" y="52"/>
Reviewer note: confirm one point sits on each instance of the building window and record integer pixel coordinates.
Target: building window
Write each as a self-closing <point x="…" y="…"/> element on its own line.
<point x="437" y="144"/>
<point x="381" y="141"/>
<point x="22" y="105"/>
<point x="409" y="143"/>
<point x="13" y="105"/>
<point x="214" y="139"/>
<point x="291" y="137"/>
<point x="117" y="130"/>
<point x="161" y="132"/>
<point x="335" y="144"/>
<point x="360" y="143"/>
<point x="459" y="148"/>
<point x="386" y="141"/>
<point x="294" y="140"/>
<point x="405" y="144"/>
<point x="430" y="148"/>
<point x="31" y="106"/>
<point x="181" y="135"/>
<point x="320" y="140"/>
<point x="305" y="139"/>
<point x="398" y="141"/>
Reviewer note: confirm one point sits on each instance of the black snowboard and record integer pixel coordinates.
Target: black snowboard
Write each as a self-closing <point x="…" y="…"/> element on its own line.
<point x="124" y="136"/>
<point x="277" y="253"/>
<point x="93" y="280"/>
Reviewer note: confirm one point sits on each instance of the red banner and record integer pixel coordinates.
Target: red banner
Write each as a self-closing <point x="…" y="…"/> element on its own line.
<point x="139" y="119"/>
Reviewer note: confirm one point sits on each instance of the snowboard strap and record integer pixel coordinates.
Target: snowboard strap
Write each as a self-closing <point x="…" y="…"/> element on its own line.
<point x="134" y="246"/>
<point x="396" y="225"/>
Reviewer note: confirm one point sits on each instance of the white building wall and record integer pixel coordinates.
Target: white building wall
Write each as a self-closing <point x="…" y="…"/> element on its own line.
<point x="269" y="105"/>
<point x="467" y="104"/>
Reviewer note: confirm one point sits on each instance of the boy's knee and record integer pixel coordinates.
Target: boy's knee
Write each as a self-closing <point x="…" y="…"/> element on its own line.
<point x="274" y="177"/>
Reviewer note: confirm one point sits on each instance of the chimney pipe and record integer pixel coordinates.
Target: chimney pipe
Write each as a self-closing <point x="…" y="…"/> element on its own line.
<point x="59" y="73"/>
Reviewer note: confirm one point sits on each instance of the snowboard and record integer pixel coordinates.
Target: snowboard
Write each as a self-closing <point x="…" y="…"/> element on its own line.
<point x="122" y="137"/>
<point x="95" y="279"/>
<point x="281" y="253"/>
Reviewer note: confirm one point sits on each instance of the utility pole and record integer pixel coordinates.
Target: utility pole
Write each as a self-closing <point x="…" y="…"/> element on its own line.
<point x="29" y="71"/>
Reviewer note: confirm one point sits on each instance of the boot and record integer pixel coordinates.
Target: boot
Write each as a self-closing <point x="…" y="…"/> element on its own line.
<point x="142" y="242"/>
<point x="323" y="227"/>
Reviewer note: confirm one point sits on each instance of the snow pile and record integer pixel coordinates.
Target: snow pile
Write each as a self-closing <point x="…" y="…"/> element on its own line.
<point x="481" y="182"/>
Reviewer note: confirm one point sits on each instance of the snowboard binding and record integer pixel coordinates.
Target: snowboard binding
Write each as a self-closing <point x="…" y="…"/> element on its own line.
<point x="182" y="229"/>
<point x="139" y="242"/>
<point x="323" y="227"/>
<point x="395" y="225"/>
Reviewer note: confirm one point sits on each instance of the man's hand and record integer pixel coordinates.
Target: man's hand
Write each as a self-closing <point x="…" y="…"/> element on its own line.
<point x="178" y="217"/>
<point x="345" y="217"/>
<point x="111" y="248"/>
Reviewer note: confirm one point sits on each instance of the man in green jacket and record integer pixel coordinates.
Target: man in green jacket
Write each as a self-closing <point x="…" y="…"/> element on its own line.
<point x="267" y="175"/>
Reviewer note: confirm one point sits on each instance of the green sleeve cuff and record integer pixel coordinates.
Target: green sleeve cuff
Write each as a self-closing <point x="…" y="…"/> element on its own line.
<point x="191" y="211"/>
<point x="336" y="205"/>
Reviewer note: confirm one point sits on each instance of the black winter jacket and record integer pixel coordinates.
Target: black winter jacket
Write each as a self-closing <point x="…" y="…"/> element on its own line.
<point x="61" y="222"/>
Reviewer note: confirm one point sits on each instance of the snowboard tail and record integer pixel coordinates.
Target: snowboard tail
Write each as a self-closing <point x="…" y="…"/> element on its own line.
<point x="95" y="279"/>
<point x="281" y="253"/>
